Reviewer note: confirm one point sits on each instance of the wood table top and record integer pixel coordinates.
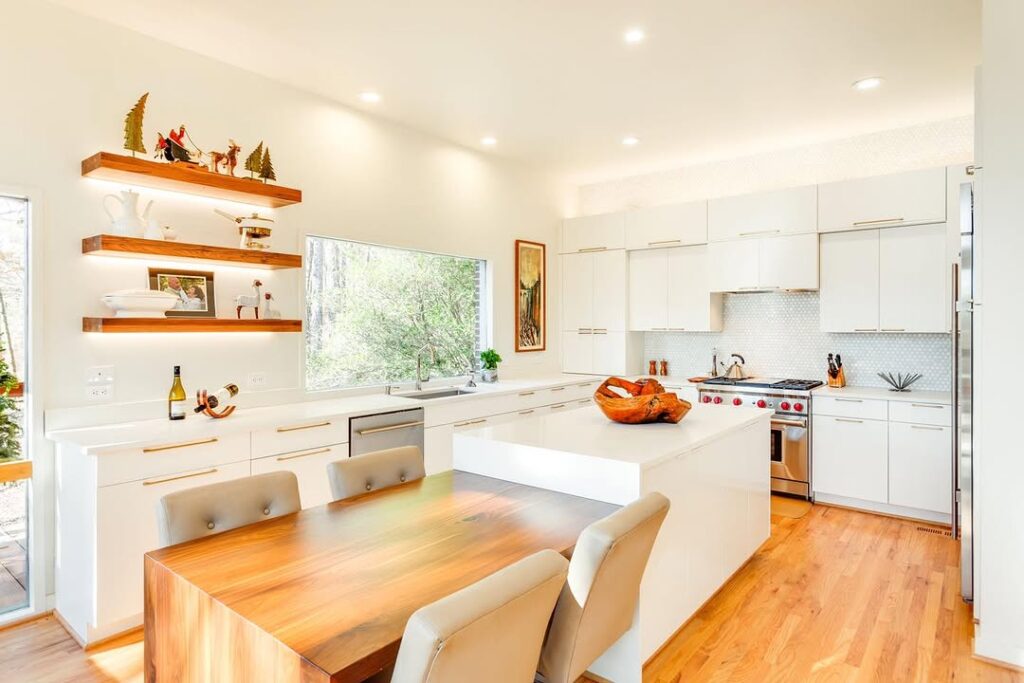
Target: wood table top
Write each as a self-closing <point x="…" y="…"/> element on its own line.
<point x="337" y="583"/>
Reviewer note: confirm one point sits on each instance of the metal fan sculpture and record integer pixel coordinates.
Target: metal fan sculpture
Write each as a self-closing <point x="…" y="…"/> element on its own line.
<point x="899" y="381"/>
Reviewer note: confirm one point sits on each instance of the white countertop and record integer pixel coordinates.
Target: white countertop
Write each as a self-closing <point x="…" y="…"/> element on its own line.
<point x="586" y="431"/>
<point x="139" y="433"/>
<point x="886" y="395"/>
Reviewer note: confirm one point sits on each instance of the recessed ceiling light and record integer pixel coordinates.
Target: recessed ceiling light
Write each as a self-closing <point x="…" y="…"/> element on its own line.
<point x="630" y="140"/>
<point x="488" y="141"/>
<point x="369" y="96"/>
<point x="869" y="83"/>
<point x="634" y="35"/>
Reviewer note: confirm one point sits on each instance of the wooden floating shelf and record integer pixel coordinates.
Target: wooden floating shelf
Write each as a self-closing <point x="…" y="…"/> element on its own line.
<point x="115" y="325"/>
<point x="137" y="247"/>
<point x="184" y="178"/>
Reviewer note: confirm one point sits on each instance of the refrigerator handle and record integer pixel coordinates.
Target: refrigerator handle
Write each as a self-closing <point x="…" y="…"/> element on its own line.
<point x="954" y="343"/>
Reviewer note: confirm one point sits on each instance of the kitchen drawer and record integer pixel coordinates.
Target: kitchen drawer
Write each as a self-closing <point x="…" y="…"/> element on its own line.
<point x="841" y="406"/>
<point x="309" y="467"/>
<point x="299" y="435"/>
<point x="922" y="412"/>
<point x="167" y="458"/>
<point x="469" y="408"/>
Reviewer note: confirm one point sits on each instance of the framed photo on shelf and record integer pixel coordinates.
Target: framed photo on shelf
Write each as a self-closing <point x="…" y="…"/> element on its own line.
<point x="531" y="296"/>
<point x="193" y="288"/>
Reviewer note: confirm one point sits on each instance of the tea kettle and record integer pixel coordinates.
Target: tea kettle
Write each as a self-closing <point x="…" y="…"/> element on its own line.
<point x="735" y="371"/>
<point x="129" y="223"/>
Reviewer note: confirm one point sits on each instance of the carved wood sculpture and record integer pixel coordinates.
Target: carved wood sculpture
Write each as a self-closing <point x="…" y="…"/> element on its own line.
<point x="646" y="402"/>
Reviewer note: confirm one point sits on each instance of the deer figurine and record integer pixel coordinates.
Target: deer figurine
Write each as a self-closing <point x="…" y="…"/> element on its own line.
<point x="268" y="312"/>
<point x="249" y="301"/>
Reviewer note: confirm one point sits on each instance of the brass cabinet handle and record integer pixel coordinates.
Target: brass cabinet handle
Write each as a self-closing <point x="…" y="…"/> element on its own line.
<point x="850" y="400"/>
<point x="318" y="451"/>
<point x="389" y="428"/>
<point x="600" y="330"/>
<point x="844" y="419"/>
<point x="296" y="428"/>
<point x="894" y="329"/>
<point x="154" y="482"/>
<point x="557" y="405"/>
<point x="585" y="385"/>
<point x="463" y="424"/>
<point x="865" y="329"/>
<point x="526" y="393"/>
<point x="933" y="429"/>
<point x="584" y="330"/>
<point x="927" y="405"/>
<point x="526" y="412"/>
<point x="583" y="401"/>
<point x="186" y="444"/>
<point x="590" y="249"/>
<point x="677" y="329"/>
<point x="879" y="220"/>
<point x="760" y="232"/>
<point x="558" y="389"/>
<point x="652" y="244"/>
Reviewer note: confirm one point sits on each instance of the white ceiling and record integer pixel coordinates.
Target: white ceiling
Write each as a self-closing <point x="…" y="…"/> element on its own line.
<point x="554" y="81"/>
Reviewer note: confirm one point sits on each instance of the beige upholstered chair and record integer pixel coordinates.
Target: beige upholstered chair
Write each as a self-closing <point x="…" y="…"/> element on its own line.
<point x="371" y="471"/>
<point x="211" y="509"/>
<point x="599" y="600"/>
<point x="490" y="631"/>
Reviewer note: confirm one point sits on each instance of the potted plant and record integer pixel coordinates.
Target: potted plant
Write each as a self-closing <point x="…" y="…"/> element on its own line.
<point x="490" y="360"/>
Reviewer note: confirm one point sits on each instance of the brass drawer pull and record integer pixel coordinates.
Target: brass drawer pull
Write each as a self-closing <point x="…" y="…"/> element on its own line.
<point x="558" y="389"/>
<point x="282" y="430"/>
<point x="844" y="419"/>
<point x="557" y="406"/>
<point x="927" y="405"/>
<point x="186" y="444"/>
<point x="850" y="400"/>
<point x="293" y="456"/>
<point x="583" y="401"/>
<point x="526" y="393"/>
<point x="389" y="428"/>
<point x="463" y="424"/>
<point x="865" y="329"/>
<point x="879" y="220"/>
<point x="154" y="482"/>
<point x="584" y="330"/>
<point x="652" y="244"/>
<point x="591" y="249"/>
<point x="894" y="329"/>
<point x="931" y="429"/>
<point x="526" y="412"/>
<point x="760" y="232"/>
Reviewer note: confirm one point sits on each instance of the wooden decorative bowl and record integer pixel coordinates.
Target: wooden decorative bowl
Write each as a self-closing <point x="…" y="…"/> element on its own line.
<point x="646" y="402"/>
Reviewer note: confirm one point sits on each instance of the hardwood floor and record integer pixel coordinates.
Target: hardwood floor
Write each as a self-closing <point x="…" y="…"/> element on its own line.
<point x="835" y="596"/>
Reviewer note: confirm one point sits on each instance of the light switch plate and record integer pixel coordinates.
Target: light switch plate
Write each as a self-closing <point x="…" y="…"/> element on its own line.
<point x="99" y="383"/>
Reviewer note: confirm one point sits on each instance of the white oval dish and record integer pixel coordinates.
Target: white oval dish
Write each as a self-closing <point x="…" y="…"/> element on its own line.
<point x="139" y="303"/>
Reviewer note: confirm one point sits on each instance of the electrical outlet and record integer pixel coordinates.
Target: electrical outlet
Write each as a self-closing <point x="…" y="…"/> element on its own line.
<point x="99" y="392"/>
<point x="256" y="380"/>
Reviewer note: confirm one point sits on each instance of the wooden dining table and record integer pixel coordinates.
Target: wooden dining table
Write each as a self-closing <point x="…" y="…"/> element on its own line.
<point x="324" y="594"/>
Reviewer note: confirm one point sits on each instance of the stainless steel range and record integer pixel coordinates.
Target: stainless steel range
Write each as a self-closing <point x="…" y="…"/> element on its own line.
<point x="790" y="399"/>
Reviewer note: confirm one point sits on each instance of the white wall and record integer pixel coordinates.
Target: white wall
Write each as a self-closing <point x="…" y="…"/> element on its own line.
<point x="998" y="457"/>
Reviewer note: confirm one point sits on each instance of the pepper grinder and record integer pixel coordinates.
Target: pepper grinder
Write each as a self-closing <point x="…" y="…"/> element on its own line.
<point x="664" y="368"/>
<point x="652" y="367"/>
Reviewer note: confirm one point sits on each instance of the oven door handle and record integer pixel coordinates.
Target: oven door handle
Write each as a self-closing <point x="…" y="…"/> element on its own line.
<point x="790" y="423"/>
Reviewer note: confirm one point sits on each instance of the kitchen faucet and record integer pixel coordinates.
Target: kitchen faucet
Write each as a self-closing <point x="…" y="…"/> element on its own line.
<point x="419" y="365"/>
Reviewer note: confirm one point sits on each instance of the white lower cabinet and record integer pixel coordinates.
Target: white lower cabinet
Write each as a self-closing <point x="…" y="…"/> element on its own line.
<point x="309" y="467"/>
<point x="851" y="458"/>
<point x="920" y="468"/>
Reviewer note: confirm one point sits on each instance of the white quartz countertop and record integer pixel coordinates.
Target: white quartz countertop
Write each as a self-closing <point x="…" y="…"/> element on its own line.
<point x="586" y="431"/>
<point x="139" y="433"/>
<point x="885" y="395"/>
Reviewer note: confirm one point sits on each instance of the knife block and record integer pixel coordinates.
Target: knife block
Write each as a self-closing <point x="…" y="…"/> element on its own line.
<point x="839" y="381"/>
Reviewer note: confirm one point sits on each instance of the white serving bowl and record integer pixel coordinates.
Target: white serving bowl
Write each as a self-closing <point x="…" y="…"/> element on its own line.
<point x="139" y="303"/>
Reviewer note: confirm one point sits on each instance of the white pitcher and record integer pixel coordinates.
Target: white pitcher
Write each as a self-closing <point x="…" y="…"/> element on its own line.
<point x="129" y="223"/>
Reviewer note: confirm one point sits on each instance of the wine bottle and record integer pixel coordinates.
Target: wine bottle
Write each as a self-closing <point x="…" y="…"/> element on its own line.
<point x="225" y="393"/>
<point x="176" y="399"/>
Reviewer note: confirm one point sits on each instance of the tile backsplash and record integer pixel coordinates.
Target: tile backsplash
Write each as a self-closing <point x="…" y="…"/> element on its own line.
<point x="778" y="334"/>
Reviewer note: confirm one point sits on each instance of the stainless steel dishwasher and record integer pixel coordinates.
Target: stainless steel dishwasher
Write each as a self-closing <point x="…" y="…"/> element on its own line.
<point x="385" y="430"/>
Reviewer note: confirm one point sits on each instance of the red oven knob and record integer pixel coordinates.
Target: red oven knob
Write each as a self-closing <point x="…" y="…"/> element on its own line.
<point x="705" y="399"/>
<point x="718" y="399"/>
<point x="798" y="407"/>
<point x="737" y="401"/>
<point x="761" y="403"/>
<point x="784" y="405"/>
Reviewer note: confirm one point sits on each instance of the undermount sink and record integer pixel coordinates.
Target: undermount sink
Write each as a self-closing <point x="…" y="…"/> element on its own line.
<point x="436" y="393"/>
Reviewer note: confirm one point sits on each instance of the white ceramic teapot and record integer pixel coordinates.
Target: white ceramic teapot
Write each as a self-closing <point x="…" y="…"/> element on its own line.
<point x="129" y="223"/>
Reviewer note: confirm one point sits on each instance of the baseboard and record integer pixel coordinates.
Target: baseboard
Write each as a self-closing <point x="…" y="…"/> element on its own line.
<point x="67" y="627"/>
<point x="27" y="619"/>
<point x="912" y="514"/>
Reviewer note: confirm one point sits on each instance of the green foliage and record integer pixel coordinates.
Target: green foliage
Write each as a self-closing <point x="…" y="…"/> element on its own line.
<point x="133" y="126"/>
<point x="254" y="161"/>
<point x="490" y="359"/>
<point x="10" y="414"/>
<point x="372" y="310"/>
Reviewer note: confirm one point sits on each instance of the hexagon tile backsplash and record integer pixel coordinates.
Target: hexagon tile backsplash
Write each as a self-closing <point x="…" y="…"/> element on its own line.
<point x="778" y="334"/>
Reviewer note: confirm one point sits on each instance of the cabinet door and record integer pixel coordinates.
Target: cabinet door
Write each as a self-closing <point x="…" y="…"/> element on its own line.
<point x="667" y="226"/>
<point x="437" y="448"/>
<point x="851" y="458"/>
<point x="577" y="352"/>
<point x="609" y="291"/>
<point x="577" y="291"/>
<point x="126" y="530"/>
<point x="789" y="262"/>
<point x="898" y="199"/>
<point x="920" y="471"/>
<point x="604" y="231"/>
<point x="913" y="279"/>
<point x="790" y="211"/>
<point x="309" y="467"/>
<point x="648" y="289"/>
<point x="691" y="305"/>
<point x="849" y="281"/>
<point x="733" y="265"/>
<point x="610" y="353"/>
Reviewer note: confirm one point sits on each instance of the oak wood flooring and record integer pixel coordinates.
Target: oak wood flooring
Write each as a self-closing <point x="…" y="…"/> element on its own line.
<point x="835" y="596"/>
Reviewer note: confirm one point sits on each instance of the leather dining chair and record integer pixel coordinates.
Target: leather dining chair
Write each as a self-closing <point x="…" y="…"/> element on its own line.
<point x="599" y="600"/>
<point x="489" y="631"/>
<point x="377" y="470"/>
<point x="214" y="508"/>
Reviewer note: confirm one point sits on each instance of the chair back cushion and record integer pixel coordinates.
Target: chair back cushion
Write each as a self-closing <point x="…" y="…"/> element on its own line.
<point x="490" y="631"/>
<point x="599" y="601"/>
<point x="371" y="471"/>
<point x="211" y="509"/>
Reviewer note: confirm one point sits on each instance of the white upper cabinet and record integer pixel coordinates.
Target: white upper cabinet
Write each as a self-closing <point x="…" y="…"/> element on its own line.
<point x="913" y="279"/>
<point x="734" y="265"/>
<point x="577" y="291"/>
<point x="593" y="233"/>
<point x="609" y="291"/>
<point x="788" y="262"/>
<point x="911" y="198"/>
<point x="648" y="290"/>
<point x="790" y="211"/>
<point x="669" y="290"/>
<point x="849" y="281"/>
<point x="667" y="226"/>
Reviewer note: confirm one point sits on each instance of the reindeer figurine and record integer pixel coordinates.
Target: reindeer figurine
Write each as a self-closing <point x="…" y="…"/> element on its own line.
<point x="268" y="312"/>
<point x="228" y="158"/>
<point x="249" y="301"/>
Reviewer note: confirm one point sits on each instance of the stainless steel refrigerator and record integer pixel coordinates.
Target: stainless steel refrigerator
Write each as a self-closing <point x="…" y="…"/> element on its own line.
<point x="963" y="367"/>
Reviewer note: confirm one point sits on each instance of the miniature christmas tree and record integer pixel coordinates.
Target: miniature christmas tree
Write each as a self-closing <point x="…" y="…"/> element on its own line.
<point x="10" y="423"/>
<point x="267" y="167"/>
<point x="133" y="127"/>
<point x="254" y="161"/>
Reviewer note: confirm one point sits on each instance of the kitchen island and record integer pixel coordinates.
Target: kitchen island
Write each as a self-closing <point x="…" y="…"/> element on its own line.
<point x="713" y="466"/>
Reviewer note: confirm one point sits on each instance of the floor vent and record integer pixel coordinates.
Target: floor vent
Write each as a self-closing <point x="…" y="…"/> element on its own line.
<point x="930" y="530"/>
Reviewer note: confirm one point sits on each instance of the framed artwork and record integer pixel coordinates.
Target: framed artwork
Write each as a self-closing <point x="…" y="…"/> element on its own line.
<point x="194" y="290"/>
<point x="531" y="296"/>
